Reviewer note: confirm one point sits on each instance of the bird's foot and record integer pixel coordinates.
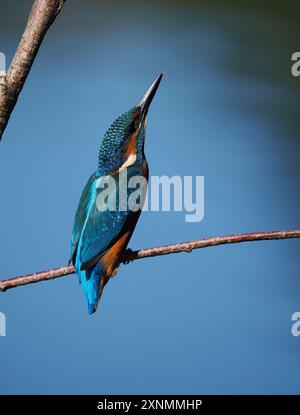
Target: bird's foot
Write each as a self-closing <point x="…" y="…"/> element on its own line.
<point x="127" y="253"/>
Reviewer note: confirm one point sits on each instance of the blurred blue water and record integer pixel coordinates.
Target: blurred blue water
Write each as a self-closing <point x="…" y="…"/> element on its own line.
<point x="216" y="320"/>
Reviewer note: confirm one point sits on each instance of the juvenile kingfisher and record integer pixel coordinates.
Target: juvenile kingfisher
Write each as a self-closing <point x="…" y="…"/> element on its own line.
<point x="100" y="236"/>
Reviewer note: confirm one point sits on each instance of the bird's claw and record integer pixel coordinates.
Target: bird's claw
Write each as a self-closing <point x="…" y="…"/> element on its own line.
<point x="128" y="252"/>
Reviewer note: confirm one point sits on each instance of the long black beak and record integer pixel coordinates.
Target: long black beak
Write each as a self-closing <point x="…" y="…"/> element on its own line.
<point x="146" y="100"/>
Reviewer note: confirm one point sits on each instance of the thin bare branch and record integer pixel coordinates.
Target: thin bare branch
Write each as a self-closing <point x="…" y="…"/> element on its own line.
<point x="42" y="15"/>
<point x="151" y="252"/>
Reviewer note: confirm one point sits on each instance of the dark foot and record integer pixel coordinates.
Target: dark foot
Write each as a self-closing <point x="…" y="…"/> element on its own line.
<point x="128" y="252"/>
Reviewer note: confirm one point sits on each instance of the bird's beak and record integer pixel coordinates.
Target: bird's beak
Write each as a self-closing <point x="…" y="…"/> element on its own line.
<point x="146" y="100"/>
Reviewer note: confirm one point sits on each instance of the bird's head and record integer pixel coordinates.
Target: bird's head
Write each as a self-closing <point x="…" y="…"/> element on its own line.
<point x="123" y="143"/>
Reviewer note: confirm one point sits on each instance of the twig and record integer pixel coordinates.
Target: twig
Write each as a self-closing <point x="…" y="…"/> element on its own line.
<point x="42" y="15"/>
<point x="151" y="252"/>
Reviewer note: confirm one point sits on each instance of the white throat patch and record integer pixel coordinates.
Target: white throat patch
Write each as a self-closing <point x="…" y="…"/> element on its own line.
<point x="129" y="162"/>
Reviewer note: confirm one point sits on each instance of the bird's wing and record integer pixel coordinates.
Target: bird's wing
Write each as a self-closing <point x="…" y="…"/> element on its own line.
<point x="80" y="216"/>
<point x="103" y="227"/>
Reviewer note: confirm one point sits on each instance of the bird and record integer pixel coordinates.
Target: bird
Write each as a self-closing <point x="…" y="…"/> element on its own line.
<point x="100" y="236"/>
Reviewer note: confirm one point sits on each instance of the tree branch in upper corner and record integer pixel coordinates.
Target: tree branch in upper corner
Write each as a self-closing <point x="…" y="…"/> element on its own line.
<point x="151" y="252"/>
<point x="42" y="15"/>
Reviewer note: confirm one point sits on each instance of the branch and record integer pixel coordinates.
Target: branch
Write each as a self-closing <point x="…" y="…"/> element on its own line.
<point x="42" y="15"/>
<point x="152" y="252"/>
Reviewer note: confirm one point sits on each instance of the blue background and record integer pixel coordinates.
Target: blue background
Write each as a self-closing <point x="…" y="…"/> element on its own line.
<point x="217" y="320"/>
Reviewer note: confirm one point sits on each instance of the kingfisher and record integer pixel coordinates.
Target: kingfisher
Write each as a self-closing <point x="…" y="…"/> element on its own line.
<point x="101" y="229"/>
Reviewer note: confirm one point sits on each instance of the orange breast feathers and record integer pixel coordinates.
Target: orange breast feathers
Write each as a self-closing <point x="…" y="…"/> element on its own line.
<point x="111" y="259"/>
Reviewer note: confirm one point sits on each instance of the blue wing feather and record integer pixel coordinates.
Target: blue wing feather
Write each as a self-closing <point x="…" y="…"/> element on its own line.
<point x="80" y="216"/>
<point x="101" y="228"/>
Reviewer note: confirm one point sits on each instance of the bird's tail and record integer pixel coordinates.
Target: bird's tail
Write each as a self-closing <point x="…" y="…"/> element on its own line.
<point x="92" y="281"/>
